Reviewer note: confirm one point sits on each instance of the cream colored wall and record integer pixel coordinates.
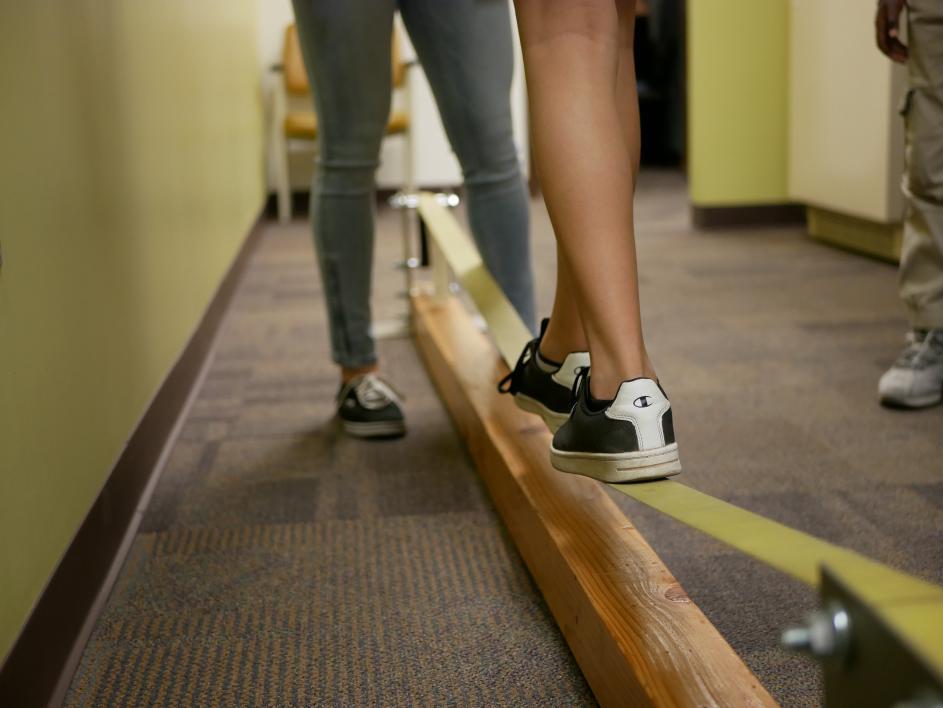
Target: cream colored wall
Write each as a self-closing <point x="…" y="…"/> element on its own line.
<point x="789" y="100"/>
<point x="738" y="89"/>
<point x="846" y="137"/>
<point x="130" y="135"/>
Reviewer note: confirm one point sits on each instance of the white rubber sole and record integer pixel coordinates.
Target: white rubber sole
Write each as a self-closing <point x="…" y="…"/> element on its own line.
<point x="553" y="419"/>
<point x="619" y="467"/>
<point x="378" y="429"/>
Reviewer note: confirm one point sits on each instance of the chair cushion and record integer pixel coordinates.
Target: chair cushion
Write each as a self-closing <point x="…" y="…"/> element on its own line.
<point x="301" y="124"/>
<point x="399" y="123"/>
<point x="304" y="124"/>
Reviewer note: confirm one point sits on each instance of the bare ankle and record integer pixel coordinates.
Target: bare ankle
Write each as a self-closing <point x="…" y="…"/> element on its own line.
<point x="556" y="345"/>
<point x="348" y="373"/>
<point x="604" y="382"/>
<point x="604" y="388"/>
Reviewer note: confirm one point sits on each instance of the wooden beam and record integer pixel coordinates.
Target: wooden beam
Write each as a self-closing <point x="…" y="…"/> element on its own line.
<point x="637" y="637"/>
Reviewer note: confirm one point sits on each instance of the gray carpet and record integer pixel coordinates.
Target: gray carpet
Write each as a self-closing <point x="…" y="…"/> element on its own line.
<point x="281" y="563"/>
<point x="770" y="345"/>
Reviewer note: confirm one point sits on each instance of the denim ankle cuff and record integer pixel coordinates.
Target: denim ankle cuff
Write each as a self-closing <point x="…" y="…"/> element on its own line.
<point x="354" y="361"/>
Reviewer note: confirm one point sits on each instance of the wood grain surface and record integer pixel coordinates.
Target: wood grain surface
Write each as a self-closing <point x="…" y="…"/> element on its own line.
<point x="637" y="637"/>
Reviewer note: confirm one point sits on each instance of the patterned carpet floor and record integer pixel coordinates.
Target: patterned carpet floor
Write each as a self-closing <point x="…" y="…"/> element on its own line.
<point x="282" y="564"/>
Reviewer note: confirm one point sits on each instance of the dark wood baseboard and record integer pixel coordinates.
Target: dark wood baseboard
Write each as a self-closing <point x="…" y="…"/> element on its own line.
<point x="40" y="664"/>
<point x="300" y="203"/>
<point x="724" y="217"/>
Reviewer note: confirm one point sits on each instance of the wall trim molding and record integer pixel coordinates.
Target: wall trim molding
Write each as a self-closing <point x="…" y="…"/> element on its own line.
<point x="721" y="217"/>
<point x="39" y="667"/>
<point x="854" y="233"/>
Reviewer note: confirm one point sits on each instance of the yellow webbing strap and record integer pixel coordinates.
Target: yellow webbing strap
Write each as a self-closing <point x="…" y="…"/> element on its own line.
<point x="507" y="330"/>
<point x="912" y="607"/>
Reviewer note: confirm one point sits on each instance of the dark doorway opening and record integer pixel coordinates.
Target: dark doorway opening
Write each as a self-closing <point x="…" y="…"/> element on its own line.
<point x="660" y="68"/>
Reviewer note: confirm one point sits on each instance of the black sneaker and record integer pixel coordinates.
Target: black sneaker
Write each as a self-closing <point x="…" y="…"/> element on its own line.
<point x="368" y="407"/>
<point x="544" y="388"/>
<point x="628" y="439"/>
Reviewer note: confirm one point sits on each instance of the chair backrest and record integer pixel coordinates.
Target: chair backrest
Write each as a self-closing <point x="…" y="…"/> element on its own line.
<point x="296" y="80"/>
<point x="396" y="61"/>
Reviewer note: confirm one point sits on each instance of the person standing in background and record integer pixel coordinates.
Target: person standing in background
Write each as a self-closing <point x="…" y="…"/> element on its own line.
<point x="916" y="379"/>
<point x="466" y="50"/>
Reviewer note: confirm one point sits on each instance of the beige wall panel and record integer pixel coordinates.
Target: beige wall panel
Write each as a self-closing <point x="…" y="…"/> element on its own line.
<point x="846" y="137"/>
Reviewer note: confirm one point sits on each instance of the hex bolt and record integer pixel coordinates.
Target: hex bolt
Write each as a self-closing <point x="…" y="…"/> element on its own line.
<point x="448" y="199"/>
<point x="407" y="264"/>
<point x="825" y="635"/>
<point x="404" y="200"/>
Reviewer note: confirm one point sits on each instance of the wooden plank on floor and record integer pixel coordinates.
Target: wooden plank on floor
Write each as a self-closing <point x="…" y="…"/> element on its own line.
<point x="637" y="637"/>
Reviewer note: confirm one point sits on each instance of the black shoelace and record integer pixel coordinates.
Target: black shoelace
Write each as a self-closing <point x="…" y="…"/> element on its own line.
<point x="581" y="373"/>
<point x="924" y="348"/>
<point x="512" y="382"/>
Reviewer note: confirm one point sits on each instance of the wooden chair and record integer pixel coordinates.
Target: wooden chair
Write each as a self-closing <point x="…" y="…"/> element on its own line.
<point x="295" y="126"/>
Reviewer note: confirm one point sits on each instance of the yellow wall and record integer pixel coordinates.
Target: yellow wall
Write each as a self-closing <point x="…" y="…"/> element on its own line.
<point x="738" y="83"/>
<point x="130" y="137"/>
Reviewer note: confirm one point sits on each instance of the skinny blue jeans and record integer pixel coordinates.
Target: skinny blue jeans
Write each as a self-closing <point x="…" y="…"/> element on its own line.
<point x="465" y="47"/>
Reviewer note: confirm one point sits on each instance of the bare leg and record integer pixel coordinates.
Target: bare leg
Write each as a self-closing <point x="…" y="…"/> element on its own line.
<point x="565" y="332"/>
<point x="625" y="88"/>
<point x="587" y="148"/>
<point x="627" y="105"/>
<point x="349" y="373"/>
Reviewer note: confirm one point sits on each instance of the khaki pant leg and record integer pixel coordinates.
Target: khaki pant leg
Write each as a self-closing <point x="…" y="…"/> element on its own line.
<point x="921" y="266"/>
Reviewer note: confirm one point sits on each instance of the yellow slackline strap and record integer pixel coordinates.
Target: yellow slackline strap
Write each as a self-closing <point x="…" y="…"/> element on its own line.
<point x="508" y="331"/>
<point x="913" y="607"/>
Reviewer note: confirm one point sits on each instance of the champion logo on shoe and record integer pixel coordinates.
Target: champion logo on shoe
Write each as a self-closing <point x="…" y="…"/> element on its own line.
<point x="633" y="440"/>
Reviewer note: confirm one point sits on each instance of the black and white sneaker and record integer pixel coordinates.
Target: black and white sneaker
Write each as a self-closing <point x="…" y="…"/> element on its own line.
<point x="541" y="386"/>
<point x="628" y="439"/>
<point x="369" y="407"/>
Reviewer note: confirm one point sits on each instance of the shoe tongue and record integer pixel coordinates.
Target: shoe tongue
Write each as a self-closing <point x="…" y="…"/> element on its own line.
<point x="373" y="393"/>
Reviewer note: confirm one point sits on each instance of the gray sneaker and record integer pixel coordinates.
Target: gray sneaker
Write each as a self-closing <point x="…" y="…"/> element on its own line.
<point x="916" y="378"/>
<point x="369" y="407"/>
